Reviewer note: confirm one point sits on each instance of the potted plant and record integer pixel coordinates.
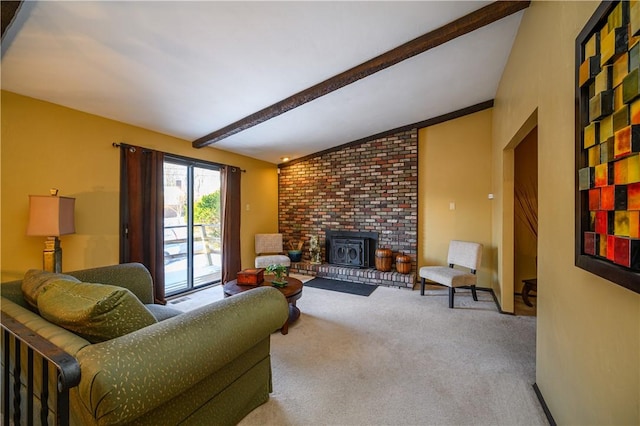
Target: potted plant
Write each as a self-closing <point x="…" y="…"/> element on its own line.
<point x="279" y="273"/>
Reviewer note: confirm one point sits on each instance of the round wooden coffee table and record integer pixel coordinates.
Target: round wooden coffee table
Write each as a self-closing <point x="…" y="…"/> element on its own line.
<point x="292" y="291"/>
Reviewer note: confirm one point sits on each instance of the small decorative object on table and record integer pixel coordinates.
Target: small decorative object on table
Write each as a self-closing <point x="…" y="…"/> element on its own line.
<point x="314" y="250"/>
<point x="253" y="276"/>
<point x="279" y="272"/>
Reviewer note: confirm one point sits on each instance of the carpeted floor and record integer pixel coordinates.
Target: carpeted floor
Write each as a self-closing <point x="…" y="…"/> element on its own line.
<point x="396" y="358"/>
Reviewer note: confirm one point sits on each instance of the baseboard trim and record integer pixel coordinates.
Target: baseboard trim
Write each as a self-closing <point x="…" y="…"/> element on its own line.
<point x="495" y="300"/>
<point x="544" y="405"/>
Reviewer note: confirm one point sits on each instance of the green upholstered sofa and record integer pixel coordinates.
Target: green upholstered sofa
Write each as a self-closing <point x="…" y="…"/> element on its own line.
<point x="207" y="366"/>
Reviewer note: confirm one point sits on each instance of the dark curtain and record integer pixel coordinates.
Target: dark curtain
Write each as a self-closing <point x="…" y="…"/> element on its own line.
<point x="142" y="212"/>
<point x="231" y="261"/>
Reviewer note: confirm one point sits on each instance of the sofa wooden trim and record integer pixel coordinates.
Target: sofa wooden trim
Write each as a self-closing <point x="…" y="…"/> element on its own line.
<point x="67" y="373"/>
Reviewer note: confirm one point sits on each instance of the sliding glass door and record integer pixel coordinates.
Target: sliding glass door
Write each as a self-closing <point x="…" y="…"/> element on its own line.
<point x="192" y="246"/>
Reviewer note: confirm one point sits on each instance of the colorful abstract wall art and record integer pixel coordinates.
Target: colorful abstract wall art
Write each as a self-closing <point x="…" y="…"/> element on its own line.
<point x="608" y="144"/>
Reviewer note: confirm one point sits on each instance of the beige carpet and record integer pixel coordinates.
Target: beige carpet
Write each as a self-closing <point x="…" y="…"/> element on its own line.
<point x="396" y="358"/>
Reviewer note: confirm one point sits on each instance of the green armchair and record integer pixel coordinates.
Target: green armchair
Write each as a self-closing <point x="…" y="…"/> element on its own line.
<point x="207" y="366"/>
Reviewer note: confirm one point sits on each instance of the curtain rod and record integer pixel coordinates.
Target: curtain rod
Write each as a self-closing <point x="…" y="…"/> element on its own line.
<point x="133" y="149"/>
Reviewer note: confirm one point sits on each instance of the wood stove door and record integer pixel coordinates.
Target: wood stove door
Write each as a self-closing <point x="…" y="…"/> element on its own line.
<point x="347" y="251"/>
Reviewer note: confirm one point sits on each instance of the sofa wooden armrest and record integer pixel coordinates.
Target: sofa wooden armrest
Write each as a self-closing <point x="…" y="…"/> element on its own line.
<point x="18" y="389"/>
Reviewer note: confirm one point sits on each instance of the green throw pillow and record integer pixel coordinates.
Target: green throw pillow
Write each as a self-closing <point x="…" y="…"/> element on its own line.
<point x="35" y="280"/>
<point x="96" y="312"/>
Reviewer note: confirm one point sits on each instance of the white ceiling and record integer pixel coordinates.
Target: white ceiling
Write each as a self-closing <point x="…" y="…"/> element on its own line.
<point x="187" y="69"/>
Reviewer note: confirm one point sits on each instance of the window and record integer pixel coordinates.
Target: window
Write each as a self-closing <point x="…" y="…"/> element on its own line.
<point x="192" y="229"/>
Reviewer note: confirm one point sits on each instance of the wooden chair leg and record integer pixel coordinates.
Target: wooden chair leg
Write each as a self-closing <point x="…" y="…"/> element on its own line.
<point x="473" y="292"/>
<point x="422" y="284"/>
<point x="451" y="292"/>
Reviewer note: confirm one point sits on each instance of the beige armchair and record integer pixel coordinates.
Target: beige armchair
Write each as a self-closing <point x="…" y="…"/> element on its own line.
<point x="270" y="251"/>
<point x="461" y="253"/>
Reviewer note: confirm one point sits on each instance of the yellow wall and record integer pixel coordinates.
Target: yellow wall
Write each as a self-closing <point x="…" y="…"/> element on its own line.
<point x="455" y="167"/>
<point x="46" y="146"/>
<point x="588" y="343"/>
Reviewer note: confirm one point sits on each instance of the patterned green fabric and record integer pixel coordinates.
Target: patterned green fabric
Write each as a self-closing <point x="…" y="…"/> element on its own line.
<point x="35" y="280"/>
<point x="133" y="276"/>
<point x="166" y="360"/>
<point x="95" y="312"/>
<point x="62" y="338"/>
<point x="162" y="312"/>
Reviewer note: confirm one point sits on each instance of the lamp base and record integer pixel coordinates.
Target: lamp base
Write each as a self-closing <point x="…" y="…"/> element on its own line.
<point x="52" y="255"/>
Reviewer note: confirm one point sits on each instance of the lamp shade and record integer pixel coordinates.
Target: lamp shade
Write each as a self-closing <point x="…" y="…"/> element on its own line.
<point x="51" y="216"/>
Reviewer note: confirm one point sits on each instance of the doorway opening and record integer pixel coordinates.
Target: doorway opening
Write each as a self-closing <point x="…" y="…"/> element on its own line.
<point x="525" y="225"/>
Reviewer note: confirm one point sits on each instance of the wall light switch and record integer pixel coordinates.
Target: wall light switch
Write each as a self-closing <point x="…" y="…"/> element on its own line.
<point x="248" y="207"/>
<point x="452" y="206"/>
<point x="491" y="196"/>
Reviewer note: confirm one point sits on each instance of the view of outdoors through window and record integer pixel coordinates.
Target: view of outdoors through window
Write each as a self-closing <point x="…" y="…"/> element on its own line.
<point x="192" y="247"/>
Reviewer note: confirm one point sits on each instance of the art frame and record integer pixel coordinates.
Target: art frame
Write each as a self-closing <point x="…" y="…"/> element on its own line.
<point x="607" y="145"/>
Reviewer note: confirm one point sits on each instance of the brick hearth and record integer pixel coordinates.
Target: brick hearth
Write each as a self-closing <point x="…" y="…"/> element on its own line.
<point x="366" y="276"/>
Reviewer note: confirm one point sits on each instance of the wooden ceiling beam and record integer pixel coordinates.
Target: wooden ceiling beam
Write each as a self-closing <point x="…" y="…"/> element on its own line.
<point x="9" y="11"/>
<point x="468" y="23"/>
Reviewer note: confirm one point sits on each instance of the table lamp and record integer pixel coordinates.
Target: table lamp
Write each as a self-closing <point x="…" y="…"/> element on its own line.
<point x="51" y="216"/>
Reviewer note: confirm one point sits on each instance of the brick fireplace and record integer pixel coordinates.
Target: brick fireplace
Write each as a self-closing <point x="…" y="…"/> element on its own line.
<point x="369" y="188"/>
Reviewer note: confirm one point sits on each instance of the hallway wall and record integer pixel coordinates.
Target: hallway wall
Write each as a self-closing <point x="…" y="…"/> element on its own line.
<point x="588" y="339"/>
